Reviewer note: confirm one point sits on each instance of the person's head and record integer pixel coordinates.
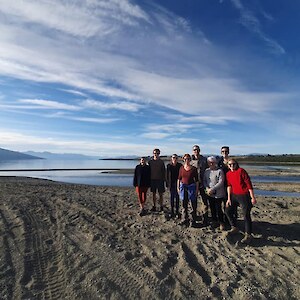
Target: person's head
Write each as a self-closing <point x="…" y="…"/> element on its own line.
<point x="212" y="162"/>
<point x="186" y="158"/>
<point x="156" y="153"/>
<point x="174" y="158"/>
<point x="196" y="150"/>
<point x="143" y="160"/>
<point x="233" y="164"/>
<point x="225" y="151"/>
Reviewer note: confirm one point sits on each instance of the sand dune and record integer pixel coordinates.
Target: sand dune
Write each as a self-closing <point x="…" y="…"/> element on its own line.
<point x="67" y="241"/>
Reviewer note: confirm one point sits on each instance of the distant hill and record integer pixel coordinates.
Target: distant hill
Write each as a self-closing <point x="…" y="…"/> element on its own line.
<point x="14" y="155"/>
<point x="61" y="156"/>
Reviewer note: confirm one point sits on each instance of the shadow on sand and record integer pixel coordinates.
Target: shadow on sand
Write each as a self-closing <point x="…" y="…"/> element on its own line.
<point x="269" y="234"/>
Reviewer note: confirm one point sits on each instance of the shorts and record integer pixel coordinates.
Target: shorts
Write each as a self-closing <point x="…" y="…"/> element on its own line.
<point x="157" y="185"/>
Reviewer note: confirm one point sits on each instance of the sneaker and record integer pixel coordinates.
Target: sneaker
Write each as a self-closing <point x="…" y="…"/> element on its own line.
<point x="194" y="224"/>
<point x="184" y="222"/>
<point x="233" y="230"/>
<point x="247" y="238"/>
<point x="222" y="227"/>
<point x="142" y="212"/>
<point x="153" y="208"/>
<point x="172" y="215"/>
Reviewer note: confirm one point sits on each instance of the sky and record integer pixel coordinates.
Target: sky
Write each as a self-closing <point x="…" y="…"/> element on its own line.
<point x="121" y="77"/>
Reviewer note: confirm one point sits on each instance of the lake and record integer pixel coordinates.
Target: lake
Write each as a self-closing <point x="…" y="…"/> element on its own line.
<point x="97" y="177"/>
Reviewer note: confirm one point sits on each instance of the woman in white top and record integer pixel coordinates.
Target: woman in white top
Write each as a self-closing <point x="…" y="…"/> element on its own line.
<point x="213" y="182"/>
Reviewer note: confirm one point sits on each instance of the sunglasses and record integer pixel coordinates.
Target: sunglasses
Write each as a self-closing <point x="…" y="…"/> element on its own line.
<point x="230" y="165"/>
<point x="156" y="153"/>
<point x="196" y="149"/>
<point x="225" y="151"/>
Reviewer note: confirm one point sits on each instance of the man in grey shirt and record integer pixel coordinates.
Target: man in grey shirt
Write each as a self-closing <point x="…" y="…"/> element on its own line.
<point x="200" y="162"/>
<point x="158" y="177"/>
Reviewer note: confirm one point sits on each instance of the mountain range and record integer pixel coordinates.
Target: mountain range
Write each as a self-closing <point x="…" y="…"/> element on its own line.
<point x="14" y="155"/>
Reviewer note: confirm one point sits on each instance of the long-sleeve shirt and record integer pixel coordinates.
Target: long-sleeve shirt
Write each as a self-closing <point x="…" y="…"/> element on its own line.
<point x="239" y="181"/>
<point x="188" y="177"/>
<point x="214" y="179"/>
<point x="141" y="176"/>
<point x="172" y="174"/>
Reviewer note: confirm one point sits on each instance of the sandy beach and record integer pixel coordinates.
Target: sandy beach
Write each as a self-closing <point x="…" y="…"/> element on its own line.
<point x="68" y="241"/>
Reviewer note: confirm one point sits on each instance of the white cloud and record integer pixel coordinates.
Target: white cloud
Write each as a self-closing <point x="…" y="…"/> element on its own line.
<point x="79" y="18"/>
<point x="121" y="105"/>
<point x="49" y="104"/>
<point x="252" y="23"/>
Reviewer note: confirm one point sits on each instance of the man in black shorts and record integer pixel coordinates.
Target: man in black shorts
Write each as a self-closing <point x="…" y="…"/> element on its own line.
<point x="158" y="176"/>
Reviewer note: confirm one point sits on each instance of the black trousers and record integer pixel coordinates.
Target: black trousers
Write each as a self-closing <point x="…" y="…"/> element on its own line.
<point x="215" y="205"/>
<point x="244" y="201"/>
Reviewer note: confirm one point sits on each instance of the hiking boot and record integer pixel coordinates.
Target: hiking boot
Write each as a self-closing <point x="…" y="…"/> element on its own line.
<point x="194" y="224"/>
<point x="233" y="230"/>
<point x="161" y="208"/>
<point x="153" y="208"/>
<point x="247" y="238"/>
<point x="142" y="212"/>
<point x="222" y="227"/>
<point x="184" y="222"/>
<point x="172" y="215"/>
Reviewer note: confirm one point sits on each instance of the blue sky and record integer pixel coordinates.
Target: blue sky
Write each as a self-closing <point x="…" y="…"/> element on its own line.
<point x="121" y="77"/>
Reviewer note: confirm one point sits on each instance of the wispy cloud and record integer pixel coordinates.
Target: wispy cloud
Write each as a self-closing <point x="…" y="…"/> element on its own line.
<point x="252" y="23"/>
<point x="121" y="105"/>
<point x="49" y="104"/>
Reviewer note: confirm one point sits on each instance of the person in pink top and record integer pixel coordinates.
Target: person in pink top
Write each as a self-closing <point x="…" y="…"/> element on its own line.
<point x="240" y="193"/>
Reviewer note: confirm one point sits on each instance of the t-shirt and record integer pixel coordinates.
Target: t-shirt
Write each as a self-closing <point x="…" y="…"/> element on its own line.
<point x="188" y="177"/>
<point x="239" y="181"/>
<point x="158" y="169"/>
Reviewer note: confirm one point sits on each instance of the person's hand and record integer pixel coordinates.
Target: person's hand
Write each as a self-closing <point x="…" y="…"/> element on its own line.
<point x="253" y="200"/>
<point x="228" y="203"/>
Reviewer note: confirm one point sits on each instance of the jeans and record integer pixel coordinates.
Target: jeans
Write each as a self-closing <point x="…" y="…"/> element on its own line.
<point x="244" y="201"/>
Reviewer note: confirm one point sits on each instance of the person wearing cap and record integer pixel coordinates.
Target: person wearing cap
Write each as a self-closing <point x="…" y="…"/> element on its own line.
<point x="213" y="182"/>
<point x="200" y="163"/>
<point x="188" y="187"/>
<point x="172" y="176"/>
<point x="141" y="182"/>
<point x="158" y="176"/>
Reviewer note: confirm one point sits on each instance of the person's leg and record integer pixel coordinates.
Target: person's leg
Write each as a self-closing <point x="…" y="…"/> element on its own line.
<point x="205" y="204"/>
<point x="161" y="190"/>
<point x="219" y="212"/>
<point x="246" y="205"/>
<point x="144" y="196"/>
<point x="176" y="202"/>
<point x="185" y="205"/>
<point x="229" y="211"/>
<point x="172" y="196"/>
<point x="194" y="210"/>
<point x="212" y="206"/>
<point x="153" y="191"/>
<point x="139" y="194"/>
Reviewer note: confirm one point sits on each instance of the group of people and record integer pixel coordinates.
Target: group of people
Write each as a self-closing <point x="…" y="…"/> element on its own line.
<point x="220" y="182"/>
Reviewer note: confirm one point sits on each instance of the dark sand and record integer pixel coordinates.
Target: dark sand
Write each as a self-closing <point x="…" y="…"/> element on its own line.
<point x="68" y="241"/>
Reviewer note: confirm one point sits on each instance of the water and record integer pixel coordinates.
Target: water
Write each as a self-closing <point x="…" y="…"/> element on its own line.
<point x="97" y="177"/>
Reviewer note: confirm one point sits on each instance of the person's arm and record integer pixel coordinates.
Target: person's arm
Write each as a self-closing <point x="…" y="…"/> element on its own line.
<point x="135" y="177"/>
<point x="253" y="199"/>
<point x="228" y="202"/>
